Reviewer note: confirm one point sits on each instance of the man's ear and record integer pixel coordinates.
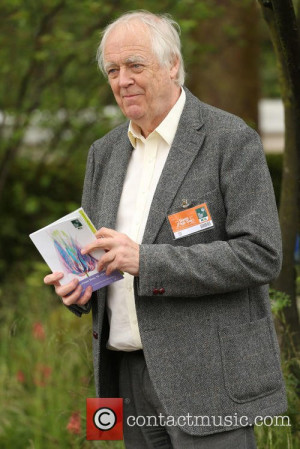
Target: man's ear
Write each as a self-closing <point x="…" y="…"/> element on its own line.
<point x="174" y="67"/>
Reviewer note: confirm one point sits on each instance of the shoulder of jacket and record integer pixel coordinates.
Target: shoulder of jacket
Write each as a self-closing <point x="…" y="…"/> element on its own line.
<point x="111" y="137"/>
<point x="214" y="117"/>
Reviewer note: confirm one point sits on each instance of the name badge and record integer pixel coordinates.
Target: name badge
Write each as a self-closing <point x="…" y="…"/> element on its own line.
<point x="191" y="220"/>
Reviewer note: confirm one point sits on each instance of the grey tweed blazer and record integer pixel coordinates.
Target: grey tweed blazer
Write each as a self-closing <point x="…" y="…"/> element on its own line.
<point x="209" y="340"/>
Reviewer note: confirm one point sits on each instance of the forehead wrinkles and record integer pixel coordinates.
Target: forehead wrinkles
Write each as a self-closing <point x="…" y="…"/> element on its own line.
<point x="126" y="57"/>
<point x="128" y="51"/>
<point x="121" y="43"/>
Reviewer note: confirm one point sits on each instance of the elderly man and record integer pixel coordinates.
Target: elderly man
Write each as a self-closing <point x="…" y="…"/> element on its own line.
<point x="185" y="207"/>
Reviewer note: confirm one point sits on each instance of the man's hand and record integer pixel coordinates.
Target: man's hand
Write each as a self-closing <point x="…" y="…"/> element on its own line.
<point x="121" y="253"/>
<point x="69" y="293"/>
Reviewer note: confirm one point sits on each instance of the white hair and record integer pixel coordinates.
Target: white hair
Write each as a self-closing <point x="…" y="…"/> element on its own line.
<point x="164" y="33"/>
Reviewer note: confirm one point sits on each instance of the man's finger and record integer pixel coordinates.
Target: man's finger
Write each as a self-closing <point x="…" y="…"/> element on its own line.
<point x="73" y="297"/>
<point x="86" y="296"/>
<point x="106" y="259"/>
<point x="111" y="267"/>
<point x="100" y="243"/>
<point x="53" y="278"/>
<point x="96" y="244"/>
<point x="67" y="289"/>
<point x="105" y="232"/>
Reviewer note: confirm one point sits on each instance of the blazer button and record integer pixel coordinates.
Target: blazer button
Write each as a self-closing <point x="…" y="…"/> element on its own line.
<point x="161" y="291"/>
<point x="95" y="335"/>
<point x="155" y="291"/>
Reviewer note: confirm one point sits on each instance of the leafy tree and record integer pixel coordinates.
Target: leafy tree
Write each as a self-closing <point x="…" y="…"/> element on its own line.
<point x="48" y="82"/>
<point x="47" y="75"/>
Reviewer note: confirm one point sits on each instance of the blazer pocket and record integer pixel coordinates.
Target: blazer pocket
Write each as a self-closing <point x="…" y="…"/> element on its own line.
<point x="251" y="365"/>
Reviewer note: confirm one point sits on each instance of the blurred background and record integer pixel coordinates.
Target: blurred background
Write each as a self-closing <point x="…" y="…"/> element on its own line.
<point x="53" y="104"/>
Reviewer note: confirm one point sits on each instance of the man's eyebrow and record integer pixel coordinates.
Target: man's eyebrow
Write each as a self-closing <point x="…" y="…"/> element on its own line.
<point x="130" y="60"/>
<point x="133" y="59"/>
<point x="108" y="65"/>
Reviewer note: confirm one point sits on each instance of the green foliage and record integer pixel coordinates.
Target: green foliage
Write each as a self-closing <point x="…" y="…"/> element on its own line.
<point x="46" y="370"/>
<point x="275" y="437"/>
<point x="298" y="280"/>
<point x="41" y="42"/>
<point x="49" y="83"/>
<point x="37" y="195"/>
<point x="285" y="436"/>
<point x="279" y="301"/>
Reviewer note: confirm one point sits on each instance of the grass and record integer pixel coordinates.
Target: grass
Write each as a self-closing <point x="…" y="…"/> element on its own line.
<point x="46" y="370"/>
<point x="46" y="373"/>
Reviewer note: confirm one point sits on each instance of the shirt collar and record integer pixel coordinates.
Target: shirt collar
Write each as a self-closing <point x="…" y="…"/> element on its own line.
<point x="167" y="128"/>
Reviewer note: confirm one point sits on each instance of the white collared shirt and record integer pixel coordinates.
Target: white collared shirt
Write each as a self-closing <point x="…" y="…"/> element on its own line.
<point x="144" y="169"/>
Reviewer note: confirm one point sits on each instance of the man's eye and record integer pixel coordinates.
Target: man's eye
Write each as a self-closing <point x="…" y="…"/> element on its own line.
<point x="137" y="67"/>
<point x="111" y="72"/>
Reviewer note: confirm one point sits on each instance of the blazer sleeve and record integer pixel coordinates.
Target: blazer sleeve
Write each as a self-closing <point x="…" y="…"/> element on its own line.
<point x="251" y="253"/>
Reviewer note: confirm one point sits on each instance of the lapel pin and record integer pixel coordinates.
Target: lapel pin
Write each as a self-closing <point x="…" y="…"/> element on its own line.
<point x="184" y="203"/>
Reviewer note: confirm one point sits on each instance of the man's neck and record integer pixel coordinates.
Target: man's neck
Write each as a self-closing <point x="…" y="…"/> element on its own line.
<point x="145" y="128"/>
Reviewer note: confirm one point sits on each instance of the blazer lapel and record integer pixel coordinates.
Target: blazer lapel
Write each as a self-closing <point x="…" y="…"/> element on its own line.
<point x="116" y="173"/>
<point x="186" y="145"/>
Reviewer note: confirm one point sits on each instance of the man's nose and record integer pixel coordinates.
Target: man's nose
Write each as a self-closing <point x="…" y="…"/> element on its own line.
<point x="125" y="78"/>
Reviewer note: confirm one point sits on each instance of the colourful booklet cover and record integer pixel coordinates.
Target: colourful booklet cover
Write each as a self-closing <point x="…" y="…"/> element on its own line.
<point x="60" y="245"/>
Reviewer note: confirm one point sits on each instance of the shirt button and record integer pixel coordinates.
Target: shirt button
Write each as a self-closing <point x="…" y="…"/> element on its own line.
<point x="155" y="291"/>
<point x="161" y="291"/>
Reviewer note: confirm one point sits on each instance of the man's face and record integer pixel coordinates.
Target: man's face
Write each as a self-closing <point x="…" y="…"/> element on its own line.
<point x="144" y="90"/>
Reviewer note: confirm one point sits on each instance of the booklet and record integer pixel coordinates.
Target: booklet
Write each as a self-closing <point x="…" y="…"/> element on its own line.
<point x="60" y="245"/>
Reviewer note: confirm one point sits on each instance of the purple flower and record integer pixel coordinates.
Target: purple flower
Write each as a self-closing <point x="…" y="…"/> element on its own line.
<point x="70" y="255"/>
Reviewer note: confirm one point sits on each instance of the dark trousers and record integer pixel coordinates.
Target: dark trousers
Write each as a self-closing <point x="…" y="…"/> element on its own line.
<point x="141" y="401"/>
